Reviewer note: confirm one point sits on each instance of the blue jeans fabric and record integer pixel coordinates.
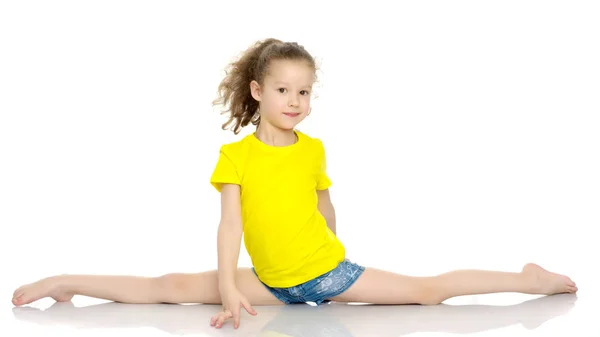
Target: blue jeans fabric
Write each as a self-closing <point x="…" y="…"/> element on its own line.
<point x="319" y="289"/>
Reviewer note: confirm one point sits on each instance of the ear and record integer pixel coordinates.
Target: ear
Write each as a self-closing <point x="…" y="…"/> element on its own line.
<point x="255" y="90"/>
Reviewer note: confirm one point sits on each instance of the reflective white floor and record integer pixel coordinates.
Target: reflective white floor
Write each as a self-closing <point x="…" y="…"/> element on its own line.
<point x="488" y="315"/>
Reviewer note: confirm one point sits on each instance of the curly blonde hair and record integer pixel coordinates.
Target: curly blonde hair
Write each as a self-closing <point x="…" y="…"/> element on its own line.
<point x="253" y="65"/>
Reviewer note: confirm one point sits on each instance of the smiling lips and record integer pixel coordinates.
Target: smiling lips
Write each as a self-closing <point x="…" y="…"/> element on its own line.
<point x="290" y="114"/>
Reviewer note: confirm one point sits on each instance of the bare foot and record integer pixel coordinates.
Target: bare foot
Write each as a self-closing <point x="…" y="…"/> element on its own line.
<point x="547" y="283"/>
<point x="47" y="287"/>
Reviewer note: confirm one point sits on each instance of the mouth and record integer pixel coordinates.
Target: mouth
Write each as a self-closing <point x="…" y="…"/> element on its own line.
<point x="292" y="114"/>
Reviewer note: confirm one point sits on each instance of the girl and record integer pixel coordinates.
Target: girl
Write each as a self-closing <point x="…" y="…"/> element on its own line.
<point x="274" y="189"/>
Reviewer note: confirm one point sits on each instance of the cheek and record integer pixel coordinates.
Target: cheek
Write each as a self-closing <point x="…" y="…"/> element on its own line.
<point x="306" y="106"/>
<point x="274" y="107"/>
<point x="275" y="101"/>
<point x="269" y="103"/>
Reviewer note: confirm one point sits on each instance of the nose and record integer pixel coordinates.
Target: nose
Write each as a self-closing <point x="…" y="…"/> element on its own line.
<point x="293" y="100"/>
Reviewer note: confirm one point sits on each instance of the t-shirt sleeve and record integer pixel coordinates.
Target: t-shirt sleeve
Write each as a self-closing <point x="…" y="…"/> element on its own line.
<point x="323" y="181"/>
<point x="225" y="171"/>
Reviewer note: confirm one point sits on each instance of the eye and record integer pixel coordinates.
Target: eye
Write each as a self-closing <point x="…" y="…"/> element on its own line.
<point x="306" y="91"/>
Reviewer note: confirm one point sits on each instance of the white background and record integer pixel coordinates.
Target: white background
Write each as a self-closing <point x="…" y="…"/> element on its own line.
<point x="459" y="134"/>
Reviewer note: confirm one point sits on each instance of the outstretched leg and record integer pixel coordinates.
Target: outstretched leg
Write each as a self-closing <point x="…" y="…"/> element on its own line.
<point x="169" y="288"/>
<point x="384" y="287"/>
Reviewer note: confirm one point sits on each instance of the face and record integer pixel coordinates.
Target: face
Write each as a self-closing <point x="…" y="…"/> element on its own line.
<point x="285" y="96"/>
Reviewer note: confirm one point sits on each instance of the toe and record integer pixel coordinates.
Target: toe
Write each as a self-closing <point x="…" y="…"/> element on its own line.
<point x="18" y="292"/>
<point x="16" y="300"/>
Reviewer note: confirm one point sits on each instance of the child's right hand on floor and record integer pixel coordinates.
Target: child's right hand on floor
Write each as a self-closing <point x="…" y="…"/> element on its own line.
<point x="232" y="300"/>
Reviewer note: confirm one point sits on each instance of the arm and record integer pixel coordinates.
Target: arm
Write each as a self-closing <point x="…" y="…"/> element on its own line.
<point x="326" y="208"/>
<point x="229" y="235"/>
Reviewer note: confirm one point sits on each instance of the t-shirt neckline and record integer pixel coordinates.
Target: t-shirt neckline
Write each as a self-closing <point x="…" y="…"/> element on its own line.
<point x="277" y="148"/>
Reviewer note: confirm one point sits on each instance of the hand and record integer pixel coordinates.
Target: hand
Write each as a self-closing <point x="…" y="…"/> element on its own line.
<point x="232" y="300"/>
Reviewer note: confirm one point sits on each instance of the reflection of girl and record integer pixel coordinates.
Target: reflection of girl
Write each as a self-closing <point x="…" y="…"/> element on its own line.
<point x="336" y="319"/>
<point x="303" y="321"/>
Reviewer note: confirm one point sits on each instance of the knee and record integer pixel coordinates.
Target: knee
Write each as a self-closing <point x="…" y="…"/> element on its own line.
<point x="166" y="285"/>
<point x="430" y="294"/>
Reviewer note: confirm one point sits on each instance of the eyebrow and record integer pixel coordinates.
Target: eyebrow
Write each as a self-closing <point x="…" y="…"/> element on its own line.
<point x="281" y="82"/>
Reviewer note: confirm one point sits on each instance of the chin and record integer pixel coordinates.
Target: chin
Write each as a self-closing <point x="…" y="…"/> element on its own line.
<point x="287" y="126"/>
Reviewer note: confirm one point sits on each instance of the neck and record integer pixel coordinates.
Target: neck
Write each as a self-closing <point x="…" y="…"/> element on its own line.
<point x="275" y="136"/>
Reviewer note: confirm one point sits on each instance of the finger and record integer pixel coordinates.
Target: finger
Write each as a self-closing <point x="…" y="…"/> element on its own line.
<point x="221" y="321"/>
<point x="215" y="318"/>
<point x="249" y="308"/>
<point x="236" y="320"/>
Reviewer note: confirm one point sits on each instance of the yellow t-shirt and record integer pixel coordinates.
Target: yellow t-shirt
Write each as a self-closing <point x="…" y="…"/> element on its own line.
<point x="286" y="236"/>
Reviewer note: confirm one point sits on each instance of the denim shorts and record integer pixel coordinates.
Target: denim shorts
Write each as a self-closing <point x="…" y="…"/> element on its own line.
<point x="321" y="288"/>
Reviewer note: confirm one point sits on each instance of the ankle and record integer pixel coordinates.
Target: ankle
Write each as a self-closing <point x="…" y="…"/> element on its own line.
<point x="62" y="283"/>
<point x="530" y="281"/>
